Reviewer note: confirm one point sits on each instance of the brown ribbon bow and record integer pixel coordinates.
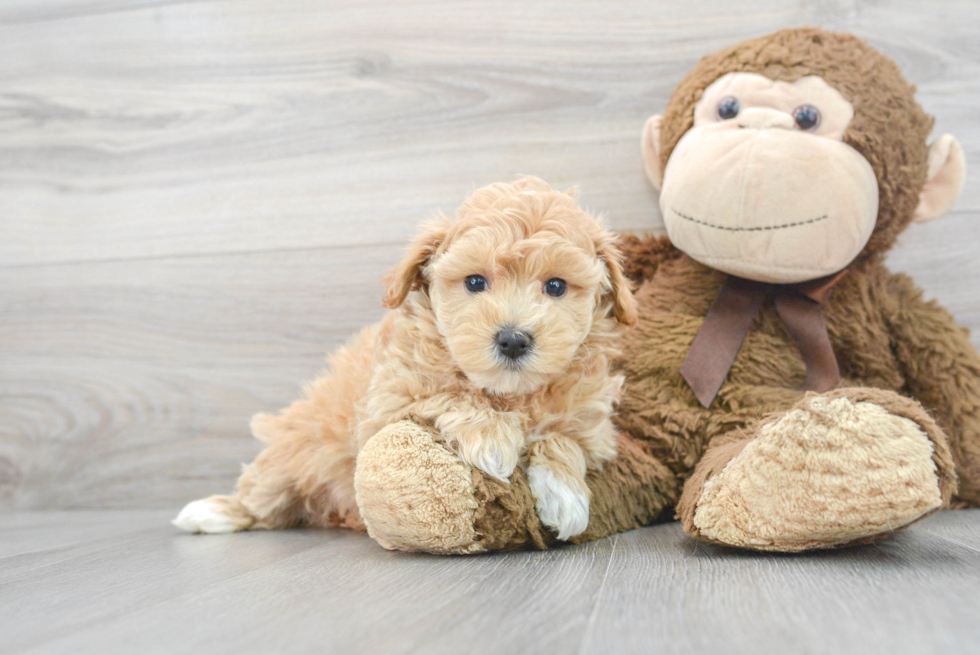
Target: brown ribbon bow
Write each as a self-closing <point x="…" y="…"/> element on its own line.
<point x="730" y="317"/>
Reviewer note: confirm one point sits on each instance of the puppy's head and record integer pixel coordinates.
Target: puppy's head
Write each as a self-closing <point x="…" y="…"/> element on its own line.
<point x="516" y="284"/>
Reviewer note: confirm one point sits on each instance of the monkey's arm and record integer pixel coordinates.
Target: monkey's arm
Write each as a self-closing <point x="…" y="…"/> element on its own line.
<point x="942" y="371"/>
<point x="642" y="255"/>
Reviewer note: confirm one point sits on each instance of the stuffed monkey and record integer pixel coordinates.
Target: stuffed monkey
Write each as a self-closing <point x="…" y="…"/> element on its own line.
<point x="784" y="390"/>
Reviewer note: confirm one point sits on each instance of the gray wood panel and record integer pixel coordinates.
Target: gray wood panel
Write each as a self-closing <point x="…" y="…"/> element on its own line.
<point x="197" y="198"/>
<point x="125" y="582"/>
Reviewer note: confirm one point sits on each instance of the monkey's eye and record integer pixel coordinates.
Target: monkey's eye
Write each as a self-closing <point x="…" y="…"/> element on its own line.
<point x="807" y="117"/>
<point x="555" y="287"/>
<point x="475" y="283"/>
<point x="728" y="108"/>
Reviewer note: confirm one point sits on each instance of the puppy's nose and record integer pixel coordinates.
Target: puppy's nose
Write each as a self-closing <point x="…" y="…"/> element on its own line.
<point x="512" y="343"/>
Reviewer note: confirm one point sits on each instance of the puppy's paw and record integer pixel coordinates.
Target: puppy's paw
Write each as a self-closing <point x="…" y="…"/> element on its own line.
<point x="213" y="515"/>
<point x="489" y="441"/>
<point x="561" y="507"/>
<point x="493" y="457"/>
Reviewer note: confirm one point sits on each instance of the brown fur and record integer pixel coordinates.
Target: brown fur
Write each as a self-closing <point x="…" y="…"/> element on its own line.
<point x="895" y="350"/>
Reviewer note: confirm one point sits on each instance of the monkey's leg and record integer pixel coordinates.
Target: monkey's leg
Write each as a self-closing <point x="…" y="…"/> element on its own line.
<point x="841" y="468"/>
<point x="413" y="493"/>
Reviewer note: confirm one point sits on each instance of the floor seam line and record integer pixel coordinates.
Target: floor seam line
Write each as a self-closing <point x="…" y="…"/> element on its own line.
<point x="590" y="626"/>
<point x="959" y="543"/>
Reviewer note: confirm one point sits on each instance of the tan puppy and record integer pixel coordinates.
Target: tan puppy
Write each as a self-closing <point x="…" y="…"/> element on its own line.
<point x="502" y="327"/>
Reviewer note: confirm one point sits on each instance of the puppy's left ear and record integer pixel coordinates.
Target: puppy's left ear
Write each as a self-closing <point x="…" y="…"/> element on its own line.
<point x="407" y="275"/>
<point x="624" y="306"/>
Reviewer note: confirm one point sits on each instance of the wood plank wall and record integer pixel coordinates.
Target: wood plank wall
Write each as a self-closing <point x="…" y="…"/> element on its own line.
<point x="198" y="197"/>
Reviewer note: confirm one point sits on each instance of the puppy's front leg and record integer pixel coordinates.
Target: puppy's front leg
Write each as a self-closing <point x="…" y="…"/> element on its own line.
<point x="556" y="475"/>
<point x="489" y="440"/>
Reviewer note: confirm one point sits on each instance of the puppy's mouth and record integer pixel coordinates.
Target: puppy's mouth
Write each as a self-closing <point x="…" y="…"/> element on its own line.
<point x="510" y="376"/>
<point x="515" y="365"/>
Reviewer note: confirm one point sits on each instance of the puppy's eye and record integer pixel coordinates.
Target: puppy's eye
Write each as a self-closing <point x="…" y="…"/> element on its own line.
<point x="728" y="108"/>
<point x="475" y="283"/>
<point x="807" y="117"/>
<point x="555" y="287"/>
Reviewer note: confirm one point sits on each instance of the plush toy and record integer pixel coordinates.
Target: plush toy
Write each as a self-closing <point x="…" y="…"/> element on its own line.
<point x="784" y="390"/>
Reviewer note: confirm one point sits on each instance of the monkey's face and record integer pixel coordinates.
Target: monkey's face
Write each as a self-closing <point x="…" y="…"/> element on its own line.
<point x="763" y="186"/>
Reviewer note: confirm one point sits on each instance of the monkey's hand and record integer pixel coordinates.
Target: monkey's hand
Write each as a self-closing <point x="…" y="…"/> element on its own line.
<point x="942" y="371"/>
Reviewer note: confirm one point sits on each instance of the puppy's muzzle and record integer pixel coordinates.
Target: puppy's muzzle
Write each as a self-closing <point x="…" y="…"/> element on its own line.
<point x="513" y="344"/>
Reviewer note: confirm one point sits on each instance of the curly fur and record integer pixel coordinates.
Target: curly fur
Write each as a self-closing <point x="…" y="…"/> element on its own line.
<point x="432" y="360"/>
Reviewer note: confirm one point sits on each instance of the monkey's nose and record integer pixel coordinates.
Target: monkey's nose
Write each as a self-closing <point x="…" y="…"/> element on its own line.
<point x="761" y="118"/>
<point x="512" y="343"/>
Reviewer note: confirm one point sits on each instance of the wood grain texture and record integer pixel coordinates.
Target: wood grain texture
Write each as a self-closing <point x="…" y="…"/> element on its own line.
<point x="125" y="582"/>
<point x="198" y="197"/>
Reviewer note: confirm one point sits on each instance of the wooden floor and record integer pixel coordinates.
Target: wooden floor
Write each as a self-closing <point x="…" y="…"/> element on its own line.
<point x="197" y="201"/>
<point x="102" y="583"/>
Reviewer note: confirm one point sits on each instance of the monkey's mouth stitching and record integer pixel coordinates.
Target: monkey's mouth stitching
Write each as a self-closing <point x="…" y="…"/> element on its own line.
<point x="749" y="229"/>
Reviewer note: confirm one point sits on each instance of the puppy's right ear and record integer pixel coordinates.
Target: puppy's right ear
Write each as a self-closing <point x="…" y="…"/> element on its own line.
<point x="408" y="274"/>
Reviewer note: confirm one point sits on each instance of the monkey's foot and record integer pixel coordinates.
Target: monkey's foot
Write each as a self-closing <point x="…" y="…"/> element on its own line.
<point x="850" y="466"/>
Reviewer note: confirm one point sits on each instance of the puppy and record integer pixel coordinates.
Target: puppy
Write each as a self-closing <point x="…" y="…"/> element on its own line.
<point x="502" y="328"/>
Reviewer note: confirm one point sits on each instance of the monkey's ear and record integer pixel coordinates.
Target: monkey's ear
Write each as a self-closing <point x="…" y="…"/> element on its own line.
<point x="624" y="305"/>
<point x="651" y="150"/>
<point x="407" y="275"/>
<point x="944" y="181"/>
